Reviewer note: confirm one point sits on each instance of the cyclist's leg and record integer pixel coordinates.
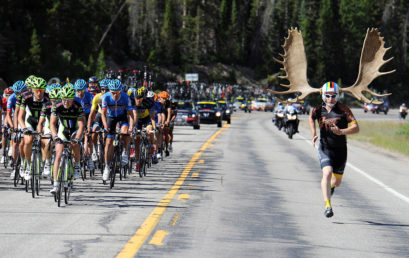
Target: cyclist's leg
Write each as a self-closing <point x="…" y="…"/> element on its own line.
<point x="109" y="148"/>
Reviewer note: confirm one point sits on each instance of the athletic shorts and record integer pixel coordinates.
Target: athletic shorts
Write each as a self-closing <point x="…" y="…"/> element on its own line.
<point x="113" y="121"/>
<point x="336" y="157"/>
<point x="98" y="121"/>
<point x="143" y="122"/>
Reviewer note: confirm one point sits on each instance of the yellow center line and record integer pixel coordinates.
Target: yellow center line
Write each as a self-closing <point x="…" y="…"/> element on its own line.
<point x="143" y="232"/>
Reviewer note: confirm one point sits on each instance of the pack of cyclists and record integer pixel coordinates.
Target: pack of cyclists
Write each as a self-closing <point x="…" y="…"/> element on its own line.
<point x="84" y="114"/>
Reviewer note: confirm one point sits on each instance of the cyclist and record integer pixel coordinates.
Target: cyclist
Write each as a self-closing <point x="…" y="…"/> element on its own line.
<point x="93" y="85"/>
<point x="94" y="118"/>
<point x="71" y="126"/>
<point x="44" y="125"/>
<point x="173" y="114"/>
<point x="115" y="106"/>
<point x="335" y="121"/>
<point x="145" y="117"/>
<point x="29" y="115"/>
<point x="7" y="93"/>
<point x="86" y="101"/>
<point x="159" y="120"/>
<point x="166" y="111"/>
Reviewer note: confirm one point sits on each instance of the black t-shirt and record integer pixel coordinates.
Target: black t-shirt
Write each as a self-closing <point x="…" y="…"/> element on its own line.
<point x="164" y="108"/>
<point x="340" y="115"/>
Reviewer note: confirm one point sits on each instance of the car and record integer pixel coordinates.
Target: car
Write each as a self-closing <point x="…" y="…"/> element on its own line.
<point x="225" y="107"/>
<point x="209" y="112"/>
<point x="261" y="104"/>
<point x="369" y="108"/>
<point x="187" y="114"/>
<point x="239" y="103"/>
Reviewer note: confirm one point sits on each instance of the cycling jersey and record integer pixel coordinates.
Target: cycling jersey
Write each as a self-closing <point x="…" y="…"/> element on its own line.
<point x="68" y="118"/>
<point x="116" y="108"/>
<point x="158" y="110"/>
<point x="21" y="95"/>
<point x="340" y="115"/>
<point x="4" y="104"/>
<point x="145" y="109"/>
<point x="97" y="102"/>
<point x="165" y="107"/>
<point x="11" y="102"/>
<point x="86" y="102"/>
<point x="33" y="109"/>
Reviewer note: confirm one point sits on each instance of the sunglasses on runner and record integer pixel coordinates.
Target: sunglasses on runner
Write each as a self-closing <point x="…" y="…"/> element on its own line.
<point x="331" y="96"/>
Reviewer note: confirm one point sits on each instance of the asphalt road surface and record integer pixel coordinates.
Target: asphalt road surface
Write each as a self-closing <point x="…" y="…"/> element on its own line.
<point x="245" y="190"/>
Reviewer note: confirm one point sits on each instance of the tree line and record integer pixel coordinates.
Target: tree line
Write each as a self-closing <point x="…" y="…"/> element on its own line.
<point x="78" y="37"/>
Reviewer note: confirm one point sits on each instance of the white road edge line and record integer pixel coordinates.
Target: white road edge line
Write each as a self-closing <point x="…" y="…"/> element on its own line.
<point x="371" y="178"/>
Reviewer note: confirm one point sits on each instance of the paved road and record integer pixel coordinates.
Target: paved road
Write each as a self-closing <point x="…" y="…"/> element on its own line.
<point x="249" y="191"/>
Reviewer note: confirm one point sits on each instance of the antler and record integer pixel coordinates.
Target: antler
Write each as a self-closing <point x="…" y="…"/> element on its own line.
<point x="295" y="66"/>
<point x="371" y="61"/>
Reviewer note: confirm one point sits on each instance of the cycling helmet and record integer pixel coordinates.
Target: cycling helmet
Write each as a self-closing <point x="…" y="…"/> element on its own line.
<point x="124" y="87"/>
<point x="156" y="97"/>
<point x="39" y="83"/>
<point x="140" y="92"/>
<point x="150" y="94"/>
<point x="93" y="79"/>
<point x="164" y="95"/>
<point x="18" y="86"/>
<point x="55" y="93"/>
<point x="330" y="87"/>
<point x="8" y="91"/>
<point x="80" y="84"/>
<point x="29" y="81"/>
<point x="404" y="104"/>
<point x="67" y="92"/>
<point x="115" y="85"/>
<point x="104" y="84"/>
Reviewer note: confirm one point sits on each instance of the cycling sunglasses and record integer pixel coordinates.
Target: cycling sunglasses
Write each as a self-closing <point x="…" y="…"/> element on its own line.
<point x="80" y="91"/>
<point x="115" y="92"/>
<point x="331" y="96"/>
<point x="38" y="90"/>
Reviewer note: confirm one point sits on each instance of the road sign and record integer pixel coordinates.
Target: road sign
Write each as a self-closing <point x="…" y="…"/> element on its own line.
<point x="192" y="77"/>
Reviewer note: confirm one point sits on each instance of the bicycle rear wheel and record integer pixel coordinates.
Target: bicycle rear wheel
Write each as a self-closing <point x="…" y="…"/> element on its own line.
<point x="17" y="171"/>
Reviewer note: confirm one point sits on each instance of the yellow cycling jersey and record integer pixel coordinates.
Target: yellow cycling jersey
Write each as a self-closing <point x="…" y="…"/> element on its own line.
<point x="97" y="102"/>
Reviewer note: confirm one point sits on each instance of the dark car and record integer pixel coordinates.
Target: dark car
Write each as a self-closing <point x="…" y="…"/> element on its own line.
<point x="187" y="114"/>
<point x="209" y="112"/>
<point x="226" y="110"/>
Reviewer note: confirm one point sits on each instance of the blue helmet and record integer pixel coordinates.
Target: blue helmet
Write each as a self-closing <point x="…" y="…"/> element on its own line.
<point x="80" y="84"/>
<point x="104" y="84"/>
<point x="115" y="85"/>
<point x="19" y="86"/>
<point x="93" y="79"/>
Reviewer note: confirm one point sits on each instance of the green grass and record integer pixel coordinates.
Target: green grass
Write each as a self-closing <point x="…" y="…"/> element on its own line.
<point x="388" y="135"/>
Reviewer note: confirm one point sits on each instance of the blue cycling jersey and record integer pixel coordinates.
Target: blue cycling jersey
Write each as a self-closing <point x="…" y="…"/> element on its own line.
<point x="158" y="110"/>
<point x="11" y="102"/>
<point x="116" y="108"/>
<point x="86" y="102"/>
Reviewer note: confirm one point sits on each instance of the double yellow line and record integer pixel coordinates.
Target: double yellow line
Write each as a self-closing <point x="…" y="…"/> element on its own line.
<point x="139" y="238"/>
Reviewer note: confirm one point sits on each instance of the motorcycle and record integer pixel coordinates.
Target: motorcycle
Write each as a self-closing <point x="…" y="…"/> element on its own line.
<point x="291" y="123"/>
<point x="278" y="119"/>
<point x="402" y="112"/>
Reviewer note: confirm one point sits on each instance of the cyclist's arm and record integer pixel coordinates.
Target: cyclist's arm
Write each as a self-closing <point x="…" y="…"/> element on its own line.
<point x="53" y="123"/>
<point x="21" y="116"/>
<point x="91" y="117"/>
<point x="9" y="120"/>
<point x="169" y="111"/>
<point x="152" y="116"/>
<point x="104" y="117"/>
<point x="131" y="119"/>
<point x="40" y="124"/>
<point x="81" y="126"/>
<point x="15" y="118"/>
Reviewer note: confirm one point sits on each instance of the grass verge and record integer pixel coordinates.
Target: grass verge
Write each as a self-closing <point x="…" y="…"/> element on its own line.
<point x="388" y="135"/>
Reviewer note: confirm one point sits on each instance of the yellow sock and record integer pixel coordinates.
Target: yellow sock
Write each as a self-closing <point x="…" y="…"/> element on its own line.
<point x="327" y="203"/>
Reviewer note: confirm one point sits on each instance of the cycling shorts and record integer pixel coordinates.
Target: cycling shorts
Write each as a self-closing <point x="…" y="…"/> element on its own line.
<point x="333" y="157"/>
<point x="98" y="121"/>
<point x="65" y="133"/>
<point x="112" y="121"/>
<point x="143" y="122"/>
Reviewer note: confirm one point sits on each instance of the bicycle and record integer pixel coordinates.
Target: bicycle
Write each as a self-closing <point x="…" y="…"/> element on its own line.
<point x="116" y="167"/>
<point x="65" y="174"/>
<point x="36" y="163"/>
<point x="100" y="163"/>
<point x="144" y="152"/>
<point x="17" y="164"/>
<point x="6" y="147"/>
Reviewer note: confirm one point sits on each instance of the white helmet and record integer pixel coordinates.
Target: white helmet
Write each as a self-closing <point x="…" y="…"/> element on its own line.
<point x="330" y="87"/>
<point x="151" y="94"/>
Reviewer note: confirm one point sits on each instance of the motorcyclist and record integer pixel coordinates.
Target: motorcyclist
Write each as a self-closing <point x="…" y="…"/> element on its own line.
<point x="403" y="110"/>
<point x="290" y="109"/>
